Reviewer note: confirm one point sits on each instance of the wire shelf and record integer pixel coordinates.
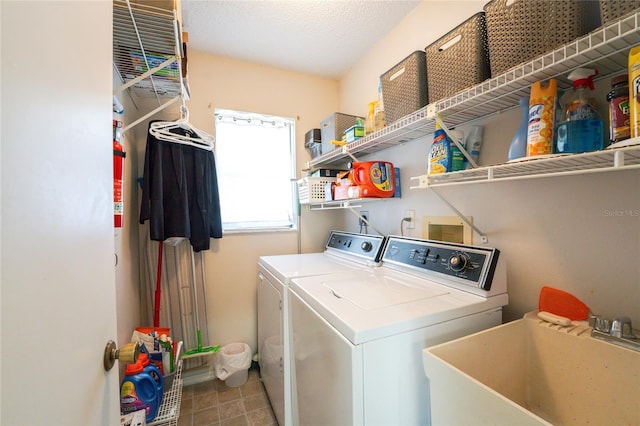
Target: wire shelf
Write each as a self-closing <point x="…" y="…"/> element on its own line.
<point x="605" y="49"/>
<point x="607" y="160"/>
<point x="169" y="410"/>
<point x="148" y="54"/>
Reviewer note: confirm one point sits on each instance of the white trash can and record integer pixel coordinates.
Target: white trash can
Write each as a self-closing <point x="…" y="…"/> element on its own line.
<point x="232" y="364"/>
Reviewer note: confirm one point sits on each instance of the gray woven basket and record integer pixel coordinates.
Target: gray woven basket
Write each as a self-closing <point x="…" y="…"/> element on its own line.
<point x="458" y="60"/>
<point x="521" y="30"/>
<point x="404" y="87"/>
<point x="610" y="10"/>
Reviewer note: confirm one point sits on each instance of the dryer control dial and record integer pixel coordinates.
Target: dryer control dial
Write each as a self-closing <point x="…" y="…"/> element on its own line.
<point x="458" y="262"/>
<point x="366" y="246"/>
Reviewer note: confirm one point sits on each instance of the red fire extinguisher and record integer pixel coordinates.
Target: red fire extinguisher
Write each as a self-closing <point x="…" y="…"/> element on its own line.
<point x="118" y="178"/>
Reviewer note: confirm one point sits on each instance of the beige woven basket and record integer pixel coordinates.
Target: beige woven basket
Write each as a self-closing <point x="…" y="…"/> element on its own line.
<point x="520" y="30"/>
<point x="610" y="10"/>
<point x="458" y="60"/>
<point x="404" y="87"/>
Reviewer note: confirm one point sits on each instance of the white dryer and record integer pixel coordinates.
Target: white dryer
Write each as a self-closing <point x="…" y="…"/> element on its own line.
<point x="358" y="336"/>
<point x="344" y="252"/>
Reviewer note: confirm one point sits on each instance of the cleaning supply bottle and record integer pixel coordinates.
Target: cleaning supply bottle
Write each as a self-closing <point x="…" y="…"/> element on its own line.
<point x="474" y="143"/>
<point x="457" y="157"/>
<point x="370" y="121"/>
<point x="379" y="110"/>
<point x="518" y="147"/>
<point x="581" y="128"/>
<point x="634" y="91"/>
<point x="440" y="152"/>
<point x="138" y="392"/>
<point x="154" y="372"/>
<point x="542" y="106"/>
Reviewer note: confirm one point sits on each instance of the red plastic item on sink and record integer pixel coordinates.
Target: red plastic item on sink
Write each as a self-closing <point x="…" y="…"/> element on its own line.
<point x="561" y="303"/>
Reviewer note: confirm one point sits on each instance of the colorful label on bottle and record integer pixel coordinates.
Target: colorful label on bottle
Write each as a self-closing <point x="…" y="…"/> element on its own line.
<point x="129" y="400"/>
<point x="540" y="129"/>
<point x="440" y="154"/>
<point x="380" y="174"/>
<point x="619" y="118"/>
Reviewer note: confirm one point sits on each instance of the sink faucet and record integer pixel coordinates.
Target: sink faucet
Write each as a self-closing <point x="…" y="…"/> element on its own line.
<point x="619" y="331"/>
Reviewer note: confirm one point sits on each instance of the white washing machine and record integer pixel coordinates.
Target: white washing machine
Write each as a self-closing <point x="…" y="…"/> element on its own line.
<point x="344" y="252"/>
<point x="358" y="336"/>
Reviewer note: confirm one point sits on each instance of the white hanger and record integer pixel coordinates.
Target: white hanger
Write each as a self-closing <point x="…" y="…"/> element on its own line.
<point x="161" y="130"/>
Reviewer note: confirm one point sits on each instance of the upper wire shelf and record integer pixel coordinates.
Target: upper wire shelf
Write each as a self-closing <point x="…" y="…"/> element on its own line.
<point x="148" y="54"/>
<point x="605" y="49"/>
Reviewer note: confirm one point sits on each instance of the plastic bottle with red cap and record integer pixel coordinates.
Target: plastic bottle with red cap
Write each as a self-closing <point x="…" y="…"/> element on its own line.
<point x="139" y="391"/>
<point x="151" y="369"/>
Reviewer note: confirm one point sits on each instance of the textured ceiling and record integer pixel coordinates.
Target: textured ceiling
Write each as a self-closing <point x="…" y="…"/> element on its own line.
<point x="313" y="36"/>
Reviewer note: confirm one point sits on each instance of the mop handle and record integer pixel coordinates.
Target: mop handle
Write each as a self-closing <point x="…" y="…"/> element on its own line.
<point x="156" y="309"/>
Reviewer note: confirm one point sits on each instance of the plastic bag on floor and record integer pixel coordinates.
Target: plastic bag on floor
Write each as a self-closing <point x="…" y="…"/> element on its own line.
<point x="232" y="358"/>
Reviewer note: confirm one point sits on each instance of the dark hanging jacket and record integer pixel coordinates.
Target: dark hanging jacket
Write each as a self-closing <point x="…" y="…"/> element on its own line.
<point x="180" y="192"/>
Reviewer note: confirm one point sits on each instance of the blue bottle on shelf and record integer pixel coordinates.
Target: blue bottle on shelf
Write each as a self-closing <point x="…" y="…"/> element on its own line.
<point x="518" y="147"/>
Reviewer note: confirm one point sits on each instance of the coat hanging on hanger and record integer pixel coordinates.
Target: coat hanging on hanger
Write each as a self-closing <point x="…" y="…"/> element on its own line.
<point x="180" y="195"/>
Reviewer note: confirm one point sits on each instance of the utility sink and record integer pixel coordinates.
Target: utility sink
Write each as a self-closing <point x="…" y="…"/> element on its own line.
<point x="530" y="372"/>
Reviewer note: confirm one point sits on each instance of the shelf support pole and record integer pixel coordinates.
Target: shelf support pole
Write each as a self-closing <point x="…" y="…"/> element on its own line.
<point x="483" y="236"/>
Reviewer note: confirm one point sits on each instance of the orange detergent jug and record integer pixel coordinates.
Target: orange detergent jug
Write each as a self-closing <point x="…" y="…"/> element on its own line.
<point x="374" y="178"/>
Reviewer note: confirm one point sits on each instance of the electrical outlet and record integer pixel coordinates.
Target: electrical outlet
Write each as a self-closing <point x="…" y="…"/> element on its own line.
<point x="411" y="214"/>
<point x="364" y="214"/>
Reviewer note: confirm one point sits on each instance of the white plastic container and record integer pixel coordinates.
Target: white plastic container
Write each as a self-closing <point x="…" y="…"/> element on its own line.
<point x="232" y="364"/>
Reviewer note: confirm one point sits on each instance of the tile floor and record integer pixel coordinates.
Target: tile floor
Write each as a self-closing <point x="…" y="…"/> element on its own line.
<point x="214" y="403"/>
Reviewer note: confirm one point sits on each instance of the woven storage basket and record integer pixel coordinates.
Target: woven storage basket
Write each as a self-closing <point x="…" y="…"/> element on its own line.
<point x="521" y="30"/>
<point x="404" y="87"/>
<point x="458" y="60"/>
<point x="610" y="10"/>
<point x="333" y="127"/>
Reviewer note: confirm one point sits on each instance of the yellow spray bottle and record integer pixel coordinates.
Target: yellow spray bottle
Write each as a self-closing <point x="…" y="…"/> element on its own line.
<point x="542" y="107"/>
<point x="634" y="91"/>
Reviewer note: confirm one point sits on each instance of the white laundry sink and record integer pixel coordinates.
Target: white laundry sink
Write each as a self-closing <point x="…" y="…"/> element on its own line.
<point x="529" y="372"/>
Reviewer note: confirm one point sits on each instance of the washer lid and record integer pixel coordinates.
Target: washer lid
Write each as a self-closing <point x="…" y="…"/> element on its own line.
<point x="386" y="291"/>
<point x="375" y="303"/>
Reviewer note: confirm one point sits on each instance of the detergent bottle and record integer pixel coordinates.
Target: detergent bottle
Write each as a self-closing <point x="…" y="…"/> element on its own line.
<point x="154" y="372"/>
<point x="440" y="152"/>
<point x="374" y="178"/>
<point x="542" y="107"/>
<point x="138" y="392"/>
<point x="581" y="128"/>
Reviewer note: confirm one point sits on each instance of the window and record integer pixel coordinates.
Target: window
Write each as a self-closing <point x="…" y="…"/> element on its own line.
<point x="255" y="159"/>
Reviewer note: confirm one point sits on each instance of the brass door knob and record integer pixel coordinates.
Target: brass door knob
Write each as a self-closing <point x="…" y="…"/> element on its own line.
<point x="127" y="353"/>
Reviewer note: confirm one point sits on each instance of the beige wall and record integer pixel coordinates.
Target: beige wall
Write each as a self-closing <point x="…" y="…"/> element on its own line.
<point x="231" y="264"/>
<point x="561" y="232"/>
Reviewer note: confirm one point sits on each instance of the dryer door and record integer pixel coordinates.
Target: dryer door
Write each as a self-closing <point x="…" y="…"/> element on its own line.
<point x="270" y="343"/>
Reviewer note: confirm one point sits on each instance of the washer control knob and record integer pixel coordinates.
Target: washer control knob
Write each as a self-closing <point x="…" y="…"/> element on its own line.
<point x="458" y="262"/>
<point x="366" y="246"/>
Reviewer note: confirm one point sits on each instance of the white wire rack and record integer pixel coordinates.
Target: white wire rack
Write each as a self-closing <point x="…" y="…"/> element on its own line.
<point x="169" y="410"/>
<point x="607" y="160"/>
<point x="147" y="55"/>
<point x="605" y="49"/>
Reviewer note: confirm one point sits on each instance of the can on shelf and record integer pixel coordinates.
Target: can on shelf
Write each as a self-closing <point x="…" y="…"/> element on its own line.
<point x="618" y="99"/>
